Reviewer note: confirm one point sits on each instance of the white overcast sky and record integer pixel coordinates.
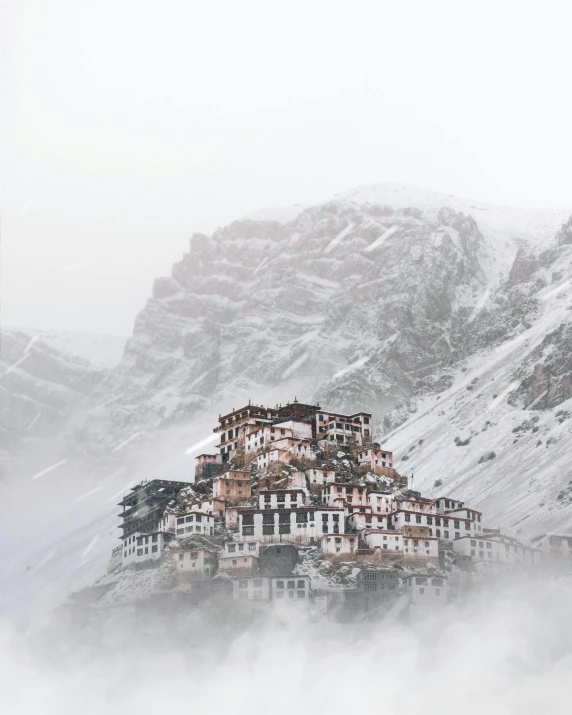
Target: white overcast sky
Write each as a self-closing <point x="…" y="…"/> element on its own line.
<point x="125" y="125"/>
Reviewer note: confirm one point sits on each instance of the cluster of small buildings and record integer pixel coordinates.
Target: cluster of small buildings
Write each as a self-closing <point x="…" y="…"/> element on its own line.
<point x="296" y="478"/>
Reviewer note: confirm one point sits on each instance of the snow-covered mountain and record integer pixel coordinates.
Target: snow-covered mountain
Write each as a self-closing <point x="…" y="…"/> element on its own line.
<point x="42" y="388"/>
<point x="101" y="351"/>
<point x="446" y="318"/>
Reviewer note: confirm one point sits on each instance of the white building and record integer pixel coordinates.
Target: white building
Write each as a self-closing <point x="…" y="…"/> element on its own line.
<point x="196" y="562"/>
<point x="281" y="456"/>
<point x="320" y="475"/>
<point x="358" y="521"/>
<point x="377" y="460"/>
<point x="553" y="546"/>
<point x="471" y="515"/>
<point x="251" y="589"/>
<point x="354" y="495"/>
<point x="343" y="429"/>
<point x="440" y="526"/>
<point x="231" y="518"/>
<point x="338" y="545"/>
<point x="284" y="450"/>
<point x="281" y="498"/>
<point x="214" y="506"/>
<point x="426" y="592"/>
<point x="262" y="437"/>
<point x="380" y="502"/>
<point x="239" y="559"/>
<point x="236" y="425"/>
<point x="144" y="547"/>
<point x="446" y="504"/>
<point x="493" y="553"/>
<point x="421" y="547"/>
<point x="233" y="485"/>
<point x="414" y="502"/>
<point x="290" y="588"/>
<point x="384" y="539"/>
<point x="305" y="525"/>
<point x="197" y="523"/>
<point x="168" y="523"/>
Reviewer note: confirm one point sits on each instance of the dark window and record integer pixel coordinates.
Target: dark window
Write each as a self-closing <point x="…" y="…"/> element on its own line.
<point x="267" y="530"/>
<point x="284" y="528"/>
<point x="247" y="519"/>
<point x="418" y="518"/>
<point x="268" y="518"/>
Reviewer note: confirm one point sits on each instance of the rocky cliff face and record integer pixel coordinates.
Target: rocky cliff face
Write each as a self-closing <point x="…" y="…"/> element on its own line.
<point x="352" y="304"/>
<point x="41" y="389"/>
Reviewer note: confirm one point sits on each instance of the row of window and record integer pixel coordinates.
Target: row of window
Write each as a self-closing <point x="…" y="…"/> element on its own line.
<point x="380" y="587"/>
<point x="378" y="575"/>
<point x="141" y="540"/>
<point x="190" y="519"/>
<point x="347" y="427"/>
<point x="197" y="529"/>
<point x="302" y="517"/>
<point x="438" y="520"/>
<point x="232" y="547"/>
<point x="142" y="552"/>
<point x="280" y="585"/>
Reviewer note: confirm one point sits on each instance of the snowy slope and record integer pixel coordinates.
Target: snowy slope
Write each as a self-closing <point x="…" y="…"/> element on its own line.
<point x="103" y="351"/>
<point x="527" y="486"/>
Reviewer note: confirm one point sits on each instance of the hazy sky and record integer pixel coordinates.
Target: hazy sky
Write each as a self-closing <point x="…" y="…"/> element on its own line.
<point x="127" y="125"/>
